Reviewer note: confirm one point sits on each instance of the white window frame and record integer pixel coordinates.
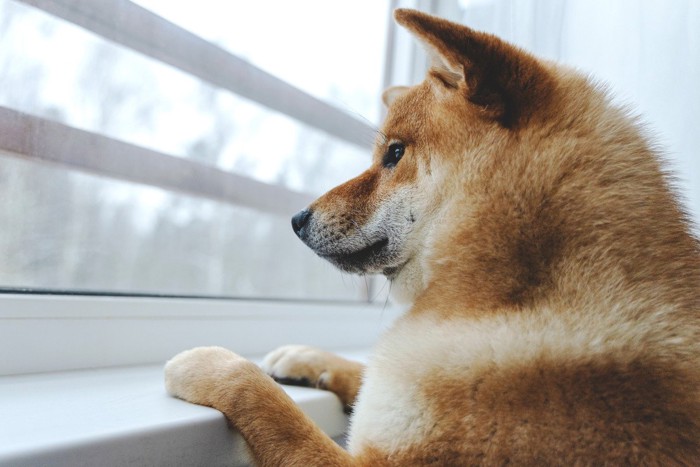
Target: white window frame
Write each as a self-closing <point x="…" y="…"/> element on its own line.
<point x="42" y="333"/>
<point x="56" y="332"/>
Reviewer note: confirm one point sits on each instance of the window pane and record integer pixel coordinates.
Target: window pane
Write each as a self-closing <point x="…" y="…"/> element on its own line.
<point x="53" y="69"/>
<point x="66" y="230"/>
<point x="332" y="50"/>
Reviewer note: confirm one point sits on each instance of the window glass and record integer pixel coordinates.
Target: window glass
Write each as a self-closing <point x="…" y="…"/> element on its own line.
<point x="71" y="231"/>
<point x="56" y="70"/>
<point x="332" y="50"/>
<point x="65" y="230"/>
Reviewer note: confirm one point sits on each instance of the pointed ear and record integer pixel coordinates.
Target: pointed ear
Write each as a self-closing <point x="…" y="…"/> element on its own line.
<point x="390" y="94"/>
<point x="507" y="83"/>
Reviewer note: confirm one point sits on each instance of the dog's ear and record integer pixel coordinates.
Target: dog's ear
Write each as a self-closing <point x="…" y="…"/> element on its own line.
<point x="507" y="83"/>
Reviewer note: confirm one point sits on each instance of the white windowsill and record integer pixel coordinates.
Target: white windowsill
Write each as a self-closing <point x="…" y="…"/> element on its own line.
<point x="122" y="416"/>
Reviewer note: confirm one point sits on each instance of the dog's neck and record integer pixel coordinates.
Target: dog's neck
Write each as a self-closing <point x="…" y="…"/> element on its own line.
<point x="409" y="282"/>
<point x="413" y="279"/>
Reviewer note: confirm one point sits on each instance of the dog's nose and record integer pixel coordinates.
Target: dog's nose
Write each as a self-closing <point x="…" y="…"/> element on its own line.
<point x="300" y="220"/>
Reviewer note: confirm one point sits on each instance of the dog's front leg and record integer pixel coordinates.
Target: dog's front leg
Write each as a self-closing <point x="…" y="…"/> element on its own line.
<point x="276" y="430"/>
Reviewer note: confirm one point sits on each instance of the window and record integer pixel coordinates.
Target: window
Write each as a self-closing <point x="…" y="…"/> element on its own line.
<point x="104" y="69"/>
<point x="151" y="157"/>
<point x="149" y="150"/>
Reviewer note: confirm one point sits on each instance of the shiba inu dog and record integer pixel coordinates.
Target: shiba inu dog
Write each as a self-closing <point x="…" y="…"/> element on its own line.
<point x="553" y="282"/>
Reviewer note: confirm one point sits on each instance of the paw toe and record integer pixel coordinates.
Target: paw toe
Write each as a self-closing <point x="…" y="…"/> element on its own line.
<point x="190" y="372"/>
<point x="297" y="365"/>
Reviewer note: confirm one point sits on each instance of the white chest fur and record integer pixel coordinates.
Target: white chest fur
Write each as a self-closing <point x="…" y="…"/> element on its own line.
<point x="392" y="411"/>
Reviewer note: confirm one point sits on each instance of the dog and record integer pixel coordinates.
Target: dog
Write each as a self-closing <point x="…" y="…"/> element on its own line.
<point x="553" y="283"/>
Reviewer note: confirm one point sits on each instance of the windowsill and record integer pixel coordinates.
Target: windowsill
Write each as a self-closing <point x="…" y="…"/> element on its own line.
<point x="122" y="416"/>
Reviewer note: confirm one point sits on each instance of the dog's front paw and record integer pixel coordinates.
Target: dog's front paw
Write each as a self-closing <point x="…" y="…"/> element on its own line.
<point x="299" y="365"/>
<point x="201" y="375"/>
<point x="308" y="366"/>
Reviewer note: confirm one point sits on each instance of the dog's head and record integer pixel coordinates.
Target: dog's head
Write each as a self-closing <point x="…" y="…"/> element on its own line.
<point x="437" y="137"/>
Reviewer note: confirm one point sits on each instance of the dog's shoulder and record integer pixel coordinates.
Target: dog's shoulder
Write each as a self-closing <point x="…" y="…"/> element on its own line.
<point x="532" y="388"/>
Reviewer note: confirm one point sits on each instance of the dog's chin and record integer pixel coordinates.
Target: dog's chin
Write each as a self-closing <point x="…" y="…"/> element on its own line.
<point x="374" y="258"/>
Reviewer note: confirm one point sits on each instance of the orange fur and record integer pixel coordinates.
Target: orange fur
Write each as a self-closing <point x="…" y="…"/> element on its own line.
<point x="555" y="287"/>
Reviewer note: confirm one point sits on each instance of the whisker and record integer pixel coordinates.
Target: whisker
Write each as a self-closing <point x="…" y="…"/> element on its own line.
<point x="386" y="300"/>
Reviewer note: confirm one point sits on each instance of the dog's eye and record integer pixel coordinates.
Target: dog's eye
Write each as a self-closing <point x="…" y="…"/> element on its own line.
<point x="393" y="155"/>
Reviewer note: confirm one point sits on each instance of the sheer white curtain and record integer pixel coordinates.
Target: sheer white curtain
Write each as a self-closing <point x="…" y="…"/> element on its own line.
<point x="648" y="51"/>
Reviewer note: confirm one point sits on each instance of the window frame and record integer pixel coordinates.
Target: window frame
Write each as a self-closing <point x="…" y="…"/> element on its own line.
<point x="58" y="332"/>
<point x="43" y="333"/>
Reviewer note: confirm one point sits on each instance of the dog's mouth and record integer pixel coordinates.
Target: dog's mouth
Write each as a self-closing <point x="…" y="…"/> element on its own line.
<point x="361" y="261"/>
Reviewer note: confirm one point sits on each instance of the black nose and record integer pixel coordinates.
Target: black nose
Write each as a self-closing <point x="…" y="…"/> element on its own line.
<point x="300" y="220"/>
